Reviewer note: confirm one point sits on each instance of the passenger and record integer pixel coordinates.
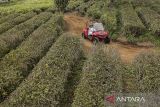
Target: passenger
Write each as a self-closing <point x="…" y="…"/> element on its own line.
<point x="91" y="29"/>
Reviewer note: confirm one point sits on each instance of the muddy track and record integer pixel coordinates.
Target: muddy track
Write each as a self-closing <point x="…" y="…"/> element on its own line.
<point x="75" y="24"/>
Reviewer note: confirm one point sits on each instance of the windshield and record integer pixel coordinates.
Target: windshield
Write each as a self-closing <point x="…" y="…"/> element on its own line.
<point x="98" y="26"/>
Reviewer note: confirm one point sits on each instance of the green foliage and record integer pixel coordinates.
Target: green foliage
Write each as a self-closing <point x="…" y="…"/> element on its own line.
<point x="95" y="10"/>
<point x="100" y="76"/>
<point x="51" y="9"/>
<point x="147" y="72"/>
<point x="45" y="85"/>
<point x="132" y="39"/>
<point x="156" y="8"/>
<point x="150" y="18"/>
<point x="73" y="4"/>
<point x="109" y="19"/>
<point x="8" y="17"/>
<point x="16" y="65"/>
<point x="83" y="7"/>
<point x="61" y="4"/>
<point x="86" y="0"/>
<point x="129" y="80"/>
<point x="12" y="38"/>
<point x="24" y="6"/>
<point x="121" y="2"/>
<point x="130" y="21"/>
<point x="140" y="3"/>
<point x="11" y="23"/>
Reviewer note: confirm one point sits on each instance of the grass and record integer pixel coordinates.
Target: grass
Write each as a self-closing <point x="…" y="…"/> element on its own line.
<point x="24" y="5"/>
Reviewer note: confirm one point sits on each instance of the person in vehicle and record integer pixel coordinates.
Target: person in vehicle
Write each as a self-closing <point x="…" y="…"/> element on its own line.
<point x="91" y="29"/>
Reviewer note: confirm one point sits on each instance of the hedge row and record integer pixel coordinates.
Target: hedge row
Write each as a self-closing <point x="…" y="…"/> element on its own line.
<point x="16" y="65"/>
<point x="156" y="1"/>
<point x="143" y="76"/>
<point x="109" y="18"/>
<point x="156" y="8"/>
<point x="12" y="38"/>
<point x="51" y="9"/>
<point x="130" y="21"/>
<point x="8" y="17"/>
<point x="84" y="6"/>
<point x="73" y="4"/>
<point x="101" y="75"/>
<point x="147" y="72"/>
<point x="45" y="85"/>
<point x="11" y="23"/>
<point x="150" y="18"/>
<point x="95" y="10"/>
<point x="121" y="2"/>
<point x="139" y="3"/>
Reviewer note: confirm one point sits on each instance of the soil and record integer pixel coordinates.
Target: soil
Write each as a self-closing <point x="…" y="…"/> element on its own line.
<point x="75" y="24"/>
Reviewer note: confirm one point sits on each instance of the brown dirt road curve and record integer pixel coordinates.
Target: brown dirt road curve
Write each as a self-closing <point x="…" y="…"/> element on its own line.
<point x="75" y="24"/>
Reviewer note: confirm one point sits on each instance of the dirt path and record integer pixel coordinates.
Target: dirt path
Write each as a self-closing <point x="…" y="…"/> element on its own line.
<point x="75" y="24"/>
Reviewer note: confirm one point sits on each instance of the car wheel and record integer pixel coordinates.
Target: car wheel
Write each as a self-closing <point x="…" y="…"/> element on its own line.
<point x="95" y="41"/>
<point x="83" y="36"/>
<point x="107" y="40"/>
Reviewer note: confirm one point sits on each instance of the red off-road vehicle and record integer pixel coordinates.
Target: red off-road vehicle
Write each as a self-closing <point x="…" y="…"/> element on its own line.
<point x="98" y="35"/>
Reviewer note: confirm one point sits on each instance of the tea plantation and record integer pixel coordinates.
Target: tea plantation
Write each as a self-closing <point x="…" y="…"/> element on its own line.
<point x="43" y="66"/>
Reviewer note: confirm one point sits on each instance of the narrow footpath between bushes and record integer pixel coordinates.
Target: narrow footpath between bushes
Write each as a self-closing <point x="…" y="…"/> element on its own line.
<point x="75" y="23"/>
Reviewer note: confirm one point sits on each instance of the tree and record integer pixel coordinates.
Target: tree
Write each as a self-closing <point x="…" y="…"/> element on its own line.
<point x="61" y="4"/>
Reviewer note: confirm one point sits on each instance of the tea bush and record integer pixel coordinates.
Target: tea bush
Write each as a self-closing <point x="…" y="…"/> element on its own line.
<point x="147" y="72"/>
<point x="8" y="17"/>
<point x="84" y="7"/>
<point x="16" y="65"/>
<point x="12" y="38"/>
<point x="150" y="18"/>
<point x="156" y="8"/>
<point x="95" y="10"/>
<point x="140" y="3"/>
<point x="109" y="19"/>
<point x="73" y="4"/>
<point x="130" y="21"/>
<point x="100" y="76"/>
<point x="45" y="85"/>
<point x="11" y="23"/>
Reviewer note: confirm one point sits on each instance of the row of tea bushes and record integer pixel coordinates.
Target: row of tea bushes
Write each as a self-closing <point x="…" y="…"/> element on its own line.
<point x="11" y="23"/>
<point x="8" y="17"/>
<point x="95" y="11"/>
<point x="101" y="75"/>
<point x="131" y="23"/>
<point x="156" y="8"/>
<point x="45" y="85"/>
<point x="73" y="4"/>
<point x="139" y="3"/>
<point x="82" y="9"/>
<point x="150" y="18"/>
<point x="147" y="72"/>
<point x="109" y="18"/>
<point x="143" y="77"/>
<point x="12" y="38"/>
<point x="16" y="65"/>
<point x="121" y="2"/>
